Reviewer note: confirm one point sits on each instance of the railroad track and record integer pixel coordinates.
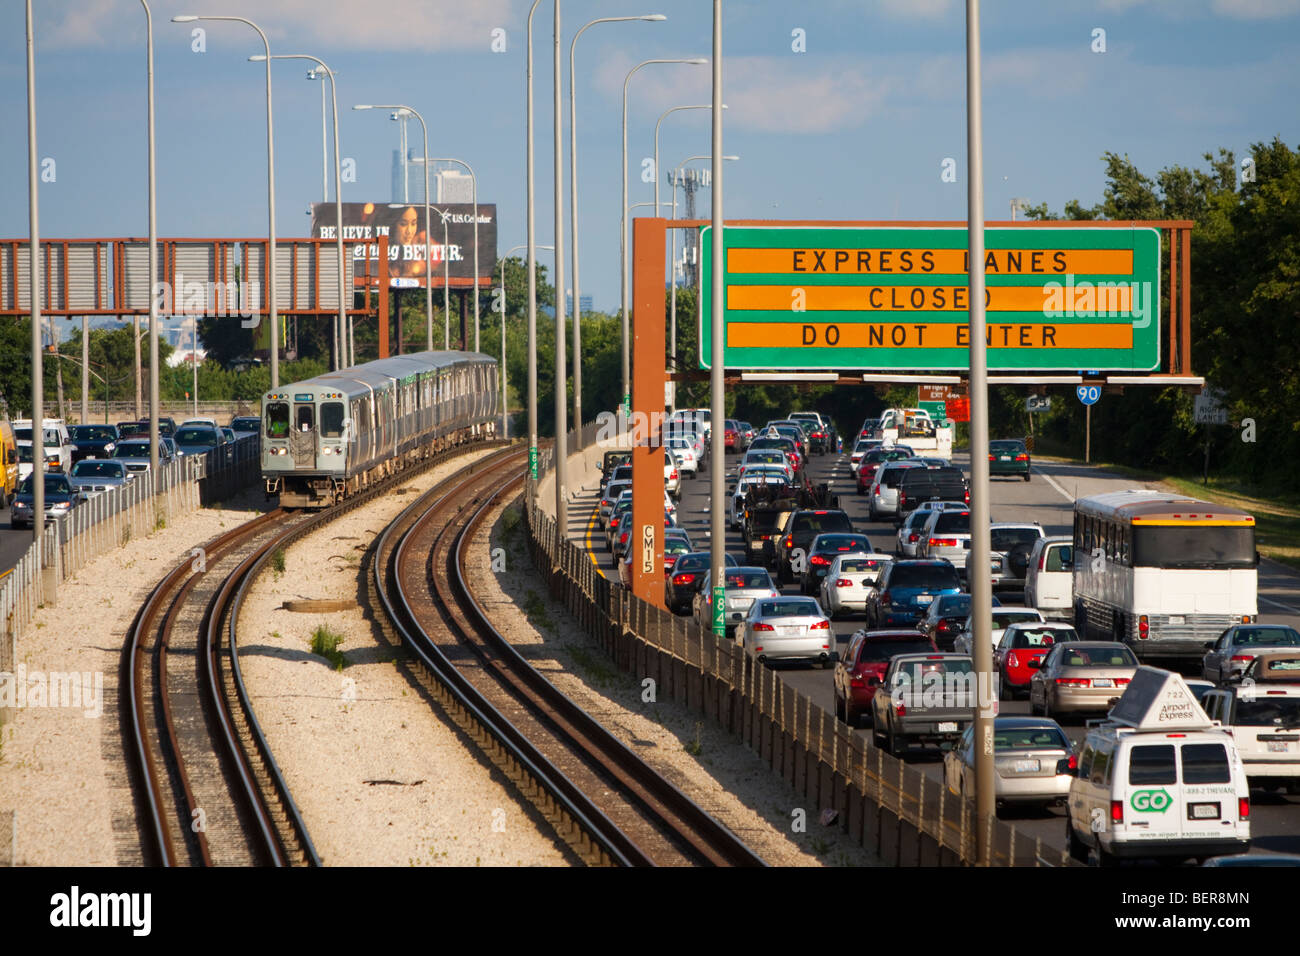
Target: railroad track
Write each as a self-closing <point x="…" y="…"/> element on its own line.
<point x="603" y="800"/>
<point x="208" y="791"/>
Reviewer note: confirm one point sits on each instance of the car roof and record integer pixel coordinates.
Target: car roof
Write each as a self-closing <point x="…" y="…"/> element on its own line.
<point x="893" y="634"/>
<point x="1053" y="625"/>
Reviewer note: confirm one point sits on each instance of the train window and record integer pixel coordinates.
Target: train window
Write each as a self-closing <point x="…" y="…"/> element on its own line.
<point x="331" y="420"/>
<point x="306" y="417"/>
<point x="277" y="420"/>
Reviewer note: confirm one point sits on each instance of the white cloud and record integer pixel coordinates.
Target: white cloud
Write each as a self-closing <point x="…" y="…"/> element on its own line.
<point x="1257" y="9"/>
<point x="921" y="9"/>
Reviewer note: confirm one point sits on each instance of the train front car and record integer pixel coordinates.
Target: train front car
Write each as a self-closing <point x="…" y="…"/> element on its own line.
<point x="327" y="438"/>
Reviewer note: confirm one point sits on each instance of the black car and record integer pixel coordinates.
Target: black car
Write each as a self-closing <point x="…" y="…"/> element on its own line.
<point x="684" y="580"/>
<point x="822" y="551"/>
<point x="93" y="441"/>
<point x="60" y="498"/>
<point x="798" y="533"/>
<point x="944" y="618"/>
<point x="612" y="460"/>
<point x="929" y="484"/>
<point x="246" y="425"/>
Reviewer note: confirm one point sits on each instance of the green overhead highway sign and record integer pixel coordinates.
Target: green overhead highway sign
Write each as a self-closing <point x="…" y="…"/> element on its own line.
<point x="895" y="298"/>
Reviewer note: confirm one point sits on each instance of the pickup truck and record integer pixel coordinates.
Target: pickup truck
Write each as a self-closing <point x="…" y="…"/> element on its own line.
<point x="923" y="698"/>
<point x="915" y="428"/>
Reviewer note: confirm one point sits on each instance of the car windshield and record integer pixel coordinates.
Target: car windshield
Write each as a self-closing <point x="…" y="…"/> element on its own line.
<point x="927" y="576"/>
<point x="796" y="608"/>
<point x="98" y="469"/>
<point x="196" y="436"/>
<point x="1269" y="712"/>
<point x="862" y="565"/>
<point x="131" y="449"/>
<point x="1267" y="637"/>
<point x="676" y="546"/>
<point x="1098" y="657"/>
<point x="25" y="453"/>
<point x="54" y="485"/>
<point x="952" y="522"/>
<point x="1006" y="448"/>
<point x="883" y="650"/>
<point x="748" y="579"/>
<point x="843" y="542"/>
<point x="822" y="521"/>
<point x="1003" y="618"/>
<point x="22" y="434"/>
<point x="1030" y="738"/>
<point x="1004" y="539"/>
<point x="93" y="433"/>
<point x="1027" y="637"/>
<point x="953" y="605"/>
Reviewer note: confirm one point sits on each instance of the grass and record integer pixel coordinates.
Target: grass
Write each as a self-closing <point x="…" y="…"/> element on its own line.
<point x="594" y="667"/>
<point x="1277" y="520"/>
<point x="696" y="746"/>
<point x="277" y="561"/>
<point x="326" y="643"/>
<point x="535" y="609"/>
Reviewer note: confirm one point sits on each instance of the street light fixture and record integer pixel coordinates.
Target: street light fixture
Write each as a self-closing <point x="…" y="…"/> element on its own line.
<point x="573" y="210"/>
<point x="270" y="197"/>
<point x="340" y="327"/>
<point x="622" y="239"/>
<point x="428" y="258"/>
<point x="658" y="123"/>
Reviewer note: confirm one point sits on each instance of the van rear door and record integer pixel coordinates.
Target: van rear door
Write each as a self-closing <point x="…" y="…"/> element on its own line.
<point x="1207" y="801"/>
<point x="1152" y="803"/>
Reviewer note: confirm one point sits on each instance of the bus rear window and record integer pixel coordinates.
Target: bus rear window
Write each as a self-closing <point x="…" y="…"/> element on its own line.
<point x="331" y="420"/>
<point x="1194" y="546"/>
<point x="1152" y="763"/>
<point x="277" y="420"/>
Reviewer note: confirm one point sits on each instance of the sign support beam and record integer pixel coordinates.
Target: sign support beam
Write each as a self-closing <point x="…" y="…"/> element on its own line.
<point x="648" y="331"/>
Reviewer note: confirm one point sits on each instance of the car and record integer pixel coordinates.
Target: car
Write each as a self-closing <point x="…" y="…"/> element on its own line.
<point x="198" y="439"/>
<point x="166" y="426"/>
<point x="1027" y="757"/>
<point x="674" y="545"/>
<point x="1264" y="721"/>
<point x="821" y="437"/>
<point x="944" y="617"/>
<point x="57" y="444"/>
<point x="849" y="581"/>
<point x="684" y="452"/>
<point x="924" y="698"/>
<point x="1011" y="543"/>
<point x="763" y="458"/>
<point x="746" y="434"/>
<point x="731" y="436"/>
<point x="1080" y="676"/>
<point x="872" y="460"/>
<point x="93" y="441"/>
<point x="696" y="419"/>
<point x="1228" y="657"/>
<point x="788" y="628"/>
<point x="860" y="448"/>
<point x="774" y="440"/>
<point x="605" y="507"/>
<point x="1254" y="859"/>
<point x="1002" y="617"/>
<point x="134" y="453"/>
<point x="743" y="585"/>
<point x="92" y="476"/>
<point x="797" y="534"/>
<point x="193" y="423"/>
<point x="907" y="589"/>
<point x="908" y="537"/>
<point x="822" y="550"/>
<point x="612" y="460"/>
<point x="1009" y="456"/>
<point x="1278" y="664"/>
<point x="132" y="429"/>
<point x="685" y="577"/>
<point x="882" y="501"/>
<point x="244" y="425"/>
<point x="620" y="473"/>
<point x="927" y="483"/>
<point x="945" y="534"/>
<point x="1022" y="642"/>
<point x="672" y="477"/>
<point x="621" y="544"/>
<point x="227" y="434"/>
<point x="60" y="499"/>
<point x="861" y="669"/>
<point x="1049" y="577"/>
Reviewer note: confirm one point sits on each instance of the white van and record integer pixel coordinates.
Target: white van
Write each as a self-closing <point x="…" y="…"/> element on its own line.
<point x="1049" y="578"/>
<point x="1264" y="719"/>
<point x="1158" y="779"/>
<point x="58" y="443"/>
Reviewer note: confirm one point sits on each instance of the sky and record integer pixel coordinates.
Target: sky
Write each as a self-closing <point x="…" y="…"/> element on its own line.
<point x="838" y="109"/>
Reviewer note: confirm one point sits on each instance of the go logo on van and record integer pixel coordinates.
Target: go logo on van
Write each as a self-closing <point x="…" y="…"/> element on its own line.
<point x="1151" y="801"/>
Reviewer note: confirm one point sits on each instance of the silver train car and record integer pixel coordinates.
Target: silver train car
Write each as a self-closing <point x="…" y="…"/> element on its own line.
<point x="333" y="435"/>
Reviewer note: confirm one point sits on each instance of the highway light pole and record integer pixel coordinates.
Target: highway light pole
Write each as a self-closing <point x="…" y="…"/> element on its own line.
<point x="154" y="410"/>
<point x="473" y="180"/>
<point x="505" y="426"/>
<point x="342" y="322"/>
<point x="717" y="414"/>
<point x="978" y="563"/>
<point x="622" y="237"/>
<point x="561" y="379"/>
<point x="573" y="210"/>
<point x="532" y="260"/>
<point x="428" y="247"/>
<point x="34" y="297"/>
<point x="658" y="123"/>
<point x="270" y="195"/>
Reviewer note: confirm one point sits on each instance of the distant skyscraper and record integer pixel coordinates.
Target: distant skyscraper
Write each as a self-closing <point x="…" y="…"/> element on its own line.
<point x="584" y="299"/>
<point x="397" y="175"/>
<point x="453" y="186"/>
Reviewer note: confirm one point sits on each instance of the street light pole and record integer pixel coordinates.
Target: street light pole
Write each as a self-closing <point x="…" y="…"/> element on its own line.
<point x="717" y="481"/>
<point x="428" y="247"/>
<point x="446" y="281"/>
<point x="622" y="238"/>
<point x="270" y="196"/>
<point x="561" y="379"/>
<point x="505" y="420"/>
<point x="532" y="262"/>
<point x="573" y="211"/>
<point x="34" y="299"/>
<point x="154" y="410"/>
<point x="473" y="180"/>
<point x="338" y="189"/>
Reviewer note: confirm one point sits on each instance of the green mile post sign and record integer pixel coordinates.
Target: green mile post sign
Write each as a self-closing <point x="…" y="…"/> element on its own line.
<point x="896" y="298"/>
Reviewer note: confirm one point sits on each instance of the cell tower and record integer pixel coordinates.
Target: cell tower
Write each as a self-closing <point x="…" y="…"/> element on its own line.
<point x="690" y="180"/>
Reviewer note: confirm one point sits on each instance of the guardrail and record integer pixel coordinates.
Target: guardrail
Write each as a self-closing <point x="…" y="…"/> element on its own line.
<point x="887" y="806"/>
<point x="109" y="520"/>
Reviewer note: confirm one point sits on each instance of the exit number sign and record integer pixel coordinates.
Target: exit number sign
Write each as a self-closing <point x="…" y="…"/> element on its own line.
<point x="897" y="298"/>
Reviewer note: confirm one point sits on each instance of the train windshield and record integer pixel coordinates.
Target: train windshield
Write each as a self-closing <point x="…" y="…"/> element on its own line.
<point x="277" y="420"/>
<point x="331" y="420"/>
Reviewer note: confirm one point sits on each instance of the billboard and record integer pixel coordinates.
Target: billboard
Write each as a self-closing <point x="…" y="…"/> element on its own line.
<point x="403" y="224"/>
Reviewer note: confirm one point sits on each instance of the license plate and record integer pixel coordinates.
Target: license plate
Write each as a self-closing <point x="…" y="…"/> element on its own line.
<point x="1203" y="811"/>
<point x="1102" y="682"/>
<point x="1177" y="619"/>
<point x="790" y="631"/>
<point x="1277" y="746"/>
<point x="1005" y="457"/>
<point x="924" y="598"/>
<point x="1027" y="766"/>
<point x="948" y="727"/>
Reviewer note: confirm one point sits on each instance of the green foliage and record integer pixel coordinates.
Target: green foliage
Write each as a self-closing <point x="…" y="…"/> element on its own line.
<point x="325" y="642"/>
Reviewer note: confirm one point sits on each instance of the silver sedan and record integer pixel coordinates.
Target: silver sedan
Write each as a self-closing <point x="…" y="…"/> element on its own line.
<point x="1027" y="753"/>
<point x="788" y="628"/>
<point x="743" y="586"/>
<point x="1080" y="675"/>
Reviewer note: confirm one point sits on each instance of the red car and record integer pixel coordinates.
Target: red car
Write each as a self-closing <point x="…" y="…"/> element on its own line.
<point x="730" y="438"/>
<point x="862" y="667"/>
<point x="1022" y="642"/>
<point x="872" y="460"/>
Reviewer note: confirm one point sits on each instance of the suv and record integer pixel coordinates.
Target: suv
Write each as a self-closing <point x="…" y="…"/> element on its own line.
<point x="906" y="591"/>
<point x="797" y="536"/>
<point x="1011" y="543"/>
<point x="822" y="437"/>
<point x="1157" y="780"/>
<point x="883" y="498"/>
<point x="945" y="534"/>
<point x="1264" y="722"/>
<point x="1049" y="578"/>
<point x="929" y="484"/>
<point x="58" y="447"/>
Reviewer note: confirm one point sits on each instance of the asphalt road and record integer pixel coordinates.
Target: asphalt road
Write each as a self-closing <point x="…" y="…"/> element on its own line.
<point x="1047" y="499"/>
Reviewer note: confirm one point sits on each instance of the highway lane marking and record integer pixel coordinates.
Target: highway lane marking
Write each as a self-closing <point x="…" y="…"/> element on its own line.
<point x="1051" y="481"/>
<point x="591" y="552"/>
<point x="1292" y="609"/>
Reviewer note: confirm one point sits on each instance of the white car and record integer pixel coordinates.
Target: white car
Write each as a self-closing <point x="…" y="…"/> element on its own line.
<point x="963" y="643"/>
<point x="788" y="628"/>
<point x="58" y="447"/>
<point x="765" y="458"/>
<point x="688" y="461"/>
<point x="672" y="476"/>
<point x="1049" y="579"/>
<point x="851" y="581"/>
<point x="863" y="446"/>
<point x="1262" y="718"/>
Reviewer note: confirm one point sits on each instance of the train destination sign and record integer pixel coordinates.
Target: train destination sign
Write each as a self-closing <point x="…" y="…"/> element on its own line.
<point x="897" y="298"/>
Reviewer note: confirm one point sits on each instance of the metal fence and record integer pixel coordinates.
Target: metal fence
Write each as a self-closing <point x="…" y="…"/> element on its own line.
<point x="116" y="411"/>
<point x="894" y="809"/>
<point x="109" y="520"/>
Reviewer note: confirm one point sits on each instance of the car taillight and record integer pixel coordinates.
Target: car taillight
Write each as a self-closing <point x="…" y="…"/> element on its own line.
<point x="763" y="627"/>
<point x="1074" y="762"/>
<point x="843" y="583"/>
<point x="943" y="542"/>
<point x="1012" y="660"/>
<point x="913" y="538"/>
<point x="885" y="598"/>
<point x="945" y="626"/>
<point x="1121" y="681"/>
<point x="1117" y="811"/>
<point x="1243" y="808"/>
<point x="1074" y="681"/>
<point x="684" y="578"/>
<point x="967" y="493"/>
<point x="1144" y="629"/>
<point x="1022" y="458"/>
<point x="990" y="457"/>
<point x="789" y="541"/>
<point x="900" y="709"/>
<point x="820" y="626"/>
<point x="622" y="537"/>
<point x="1245" y="658"/>
<point x="673" y="474"/>
<point x="819" y="559"/>
<point x="1042" y="559"/>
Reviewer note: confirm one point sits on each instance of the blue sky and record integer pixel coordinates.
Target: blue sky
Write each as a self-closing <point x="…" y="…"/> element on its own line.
<point x="855" y="127"/>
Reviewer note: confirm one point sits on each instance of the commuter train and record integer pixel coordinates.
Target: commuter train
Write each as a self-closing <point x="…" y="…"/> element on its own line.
<point x="331" y="436"/>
